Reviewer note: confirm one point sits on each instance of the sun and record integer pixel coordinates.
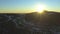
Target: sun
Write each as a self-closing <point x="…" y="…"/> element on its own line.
<point x="39" y="8"/>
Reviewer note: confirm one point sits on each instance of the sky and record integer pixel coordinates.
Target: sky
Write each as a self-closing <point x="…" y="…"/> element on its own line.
<point x="25" y="6"/>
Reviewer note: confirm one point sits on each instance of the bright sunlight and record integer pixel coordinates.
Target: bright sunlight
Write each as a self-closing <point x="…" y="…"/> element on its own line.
<point x="40" y="8"/>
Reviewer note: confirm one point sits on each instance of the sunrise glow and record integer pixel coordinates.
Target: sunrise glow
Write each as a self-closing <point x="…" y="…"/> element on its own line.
<point x="40" y="8"/>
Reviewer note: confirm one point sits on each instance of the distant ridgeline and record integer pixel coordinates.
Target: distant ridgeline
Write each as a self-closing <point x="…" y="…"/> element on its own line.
<point x="33" y="23"/>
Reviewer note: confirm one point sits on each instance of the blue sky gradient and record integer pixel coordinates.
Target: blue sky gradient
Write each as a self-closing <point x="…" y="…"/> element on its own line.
<point x="24" y="5"/>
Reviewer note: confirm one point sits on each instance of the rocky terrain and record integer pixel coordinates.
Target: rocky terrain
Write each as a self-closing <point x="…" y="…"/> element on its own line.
<point x="32" y="23"/>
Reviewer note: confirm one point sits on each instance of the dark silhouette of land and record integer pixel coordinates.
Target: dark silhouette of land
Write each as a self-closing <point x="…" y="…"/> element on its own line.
<point x="32" y="23"/>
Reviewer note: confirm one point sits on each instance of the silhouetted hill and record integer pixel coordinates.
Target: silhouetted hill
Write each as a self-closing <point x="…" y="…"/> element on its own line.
<point x="47" y="22"/>
<point x="47" y="15"/>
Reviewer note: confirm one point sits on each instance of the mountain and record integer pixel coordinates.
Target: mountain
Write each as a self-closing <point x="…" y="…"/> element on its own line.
<point x="47" y="22"/>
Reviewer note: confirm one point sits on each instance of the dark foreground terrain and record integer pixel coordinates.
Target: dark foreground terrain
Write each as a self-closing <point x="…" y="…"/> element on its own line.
<point x="32" y="23"/>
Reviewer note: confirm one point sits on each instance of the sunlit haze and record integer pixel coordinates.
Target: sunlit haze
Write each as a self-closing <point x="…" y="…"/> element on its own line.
<point x="40" y="7"/>
<point x="27" y="6"/>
